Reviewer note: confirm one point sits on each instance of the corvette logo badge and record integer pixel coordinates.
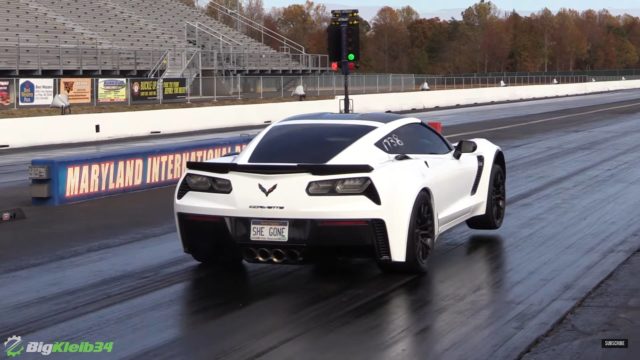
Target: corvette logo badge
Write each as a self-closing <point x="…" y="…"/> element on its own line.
<point x="265" y="191"/>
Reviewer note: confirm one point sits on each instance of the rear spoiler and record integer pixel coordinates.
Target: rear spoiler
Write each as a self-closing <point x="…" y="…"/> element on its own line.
<point x="313" y="169"/>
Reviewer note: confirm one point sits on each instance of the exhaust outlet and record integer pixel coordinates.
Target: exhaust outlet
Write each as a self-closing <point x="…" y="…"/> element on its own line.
<point x="278" y="256"/>
<point x="264" y="255"/>
<point x="250" y="254"/>
<point x="294" y="255"/>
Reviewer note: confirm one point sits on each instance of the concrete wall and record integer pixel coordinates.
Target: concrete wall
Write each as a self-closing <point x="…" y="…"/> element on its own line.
<point x="421" y="100"/>
<point x="23" y="132"/>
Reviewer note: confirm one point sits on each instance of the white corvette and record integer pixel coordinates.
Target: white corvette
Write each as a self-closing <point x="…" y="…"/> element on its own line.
<point x="382" y="186"/>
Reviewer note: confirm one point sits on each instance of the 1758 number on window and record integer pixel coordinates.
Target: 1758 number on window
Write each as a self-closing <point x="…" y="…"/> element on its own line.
<point x="390" y="143"/>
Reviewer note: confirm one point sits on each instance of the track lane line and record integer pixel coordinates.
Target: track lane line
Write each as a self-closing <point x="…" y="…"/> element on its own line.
<point x="543" y="120"/>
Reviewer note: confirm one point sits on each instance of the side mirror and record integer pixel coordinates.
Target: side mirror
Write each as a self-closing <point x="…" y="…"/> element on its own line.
<point x="464" y="147"/>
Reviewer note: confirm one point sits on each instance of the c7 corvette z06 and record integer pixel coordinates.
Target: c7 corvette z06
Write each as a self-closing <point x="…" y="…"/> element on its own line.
<point x="349" y="185"/>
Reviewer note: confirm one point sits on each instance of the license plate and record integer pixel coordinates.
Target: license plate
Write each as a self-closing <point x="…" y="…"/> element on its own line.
<point x="269" y="230"/>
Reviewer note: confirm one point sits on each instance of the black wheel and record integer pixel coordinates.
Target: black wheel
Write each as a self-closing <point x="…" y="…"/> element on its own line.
<point x="212" y="253"/>
<point x="420" y="238"/>
<point x="496" y="202"/>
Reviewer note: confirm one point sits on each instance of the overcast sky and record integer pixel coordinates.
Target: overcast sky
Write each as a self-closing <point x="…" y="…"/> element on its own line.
<point x="435" y="5"/>
<point x="452" y="8"/>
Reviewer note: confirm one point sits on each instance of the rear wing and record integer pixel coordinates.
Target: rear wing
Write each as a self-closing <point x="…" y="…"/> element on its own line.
<point x="313" y="169"/>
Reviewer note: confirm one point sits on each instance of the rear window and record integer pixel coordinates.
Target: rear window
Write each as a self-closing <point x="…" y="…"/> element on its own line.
<point x="306" y="143"/>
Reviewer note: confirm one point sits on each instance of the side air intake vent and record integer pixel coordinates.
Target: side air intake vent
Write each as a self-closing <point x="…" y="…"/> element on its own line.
<point x="383" y="253"/>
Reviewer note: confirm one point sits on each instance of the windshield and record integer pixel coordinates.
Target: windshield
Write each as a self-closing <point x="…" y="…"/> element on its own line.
<point x="306" y="143"/>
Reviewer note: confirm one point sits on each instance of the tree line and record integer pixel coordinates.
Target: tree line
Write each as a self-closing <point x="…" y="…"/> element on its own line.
<point x="485" y="39"/>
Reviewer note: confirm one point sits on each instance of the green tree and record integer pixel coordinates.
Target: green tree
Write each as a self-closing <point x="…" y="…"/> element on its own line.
<point x="390" y="37"/>
<point x="570" y="43"/>
<point x="484" y="40"/>
<point x="545" y="25"/>
<point x="427" y="40"/>
<point x="305" y="24"/>
<point x="483" y="34"/>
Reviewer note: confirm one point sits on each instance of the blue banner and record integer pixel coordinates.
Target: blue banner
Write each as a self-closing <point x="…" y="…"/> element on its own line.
<point x="84" y="177"/>
<point x="27" y="92"/>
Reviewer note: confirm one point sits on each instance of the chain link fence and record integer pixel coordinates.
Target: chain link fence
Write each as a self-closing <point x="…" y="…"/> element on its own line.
<point x="315" y="86"/>
<point x="269" y="87"/>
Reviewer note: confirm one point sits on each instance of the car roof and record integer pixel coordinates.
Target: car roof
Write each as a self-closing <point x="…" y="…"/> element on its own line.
<point x="375" y="117"/>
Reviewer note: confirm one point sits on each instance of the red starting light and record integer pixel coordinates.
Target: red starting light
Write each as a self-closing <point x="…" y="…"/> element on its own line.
<point x="335" y="66"/>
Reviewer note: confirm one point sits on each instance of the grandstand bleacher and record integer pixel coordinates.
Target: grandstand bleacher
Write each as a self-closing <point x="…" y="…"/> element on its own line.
<point x="165" y="38"/>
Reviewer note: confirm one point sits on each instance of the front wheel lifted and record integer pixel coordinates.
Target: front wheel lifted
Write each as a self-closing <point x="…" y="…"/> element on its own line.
<point x="496" y="202"/>
<point x="420" y="238"/>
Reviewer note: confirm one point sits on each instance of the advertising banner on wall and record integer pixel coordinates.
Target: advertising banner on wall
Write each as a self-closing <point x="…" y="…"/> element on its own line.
<point x="143" y="90"/>
<point x="112" y="91"/>
<point x="35" y="92"/>
<point x="91" y="176"/>
<point x="7" y="96"/>
<point x="174" y="88"/>
<point x="78" y="90"/>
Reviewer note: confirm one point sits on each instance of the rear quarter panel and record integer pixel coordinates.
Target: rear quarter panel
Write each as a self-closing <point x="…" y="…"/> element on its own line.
<point x="399" y="183"/>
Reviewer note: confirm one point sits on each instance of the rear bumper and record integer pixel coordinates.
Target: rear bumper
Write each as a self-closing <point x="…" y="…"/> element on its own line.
<point x="311" y="238"/>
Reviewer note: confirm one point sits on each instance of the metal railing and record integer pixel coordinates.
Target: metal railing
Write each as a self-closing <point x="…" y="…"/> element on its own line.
<point x="161" y="66"/>
<point x="193" y="67"/>
<point x="286" y="43"/>
<point x="245" y="60"/>
<point x="61" y="58"/>
<point x="79" y="59"/>
<point x="193" y="32"/>
<point x="44" y="39"/>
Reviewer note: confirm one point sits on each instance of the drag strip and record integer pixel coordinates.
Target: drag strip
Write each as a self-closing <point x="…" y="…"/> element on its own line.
<point x="112" y="269"/>
<point x="555" y="118"/>
<point x="464" y="115"/>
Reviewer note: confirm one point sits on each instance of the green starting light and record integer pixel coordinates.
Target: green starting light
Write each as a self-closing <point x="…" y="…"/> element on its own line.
<point x="351" y="57"/>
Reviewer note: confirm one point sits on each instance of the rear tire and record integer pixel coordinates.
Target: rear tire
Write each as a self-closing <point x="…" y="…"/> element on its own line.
<point x="212" y="253"/>
<point x="496" y="202"/>
<point x="420" y="239"/>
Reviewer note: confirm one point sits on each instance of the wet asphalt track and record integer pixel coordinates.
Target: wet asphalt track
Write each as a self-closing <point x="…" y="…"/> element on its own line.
<point x="113" y="270"/>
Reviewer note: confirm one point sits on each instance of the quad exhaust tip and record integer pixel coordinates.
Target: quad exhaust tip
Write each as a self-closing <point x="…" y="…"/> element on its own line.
<point x="250" y="254"/>
<point x="278" y="256"/>
<point x="264" y="255"/>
